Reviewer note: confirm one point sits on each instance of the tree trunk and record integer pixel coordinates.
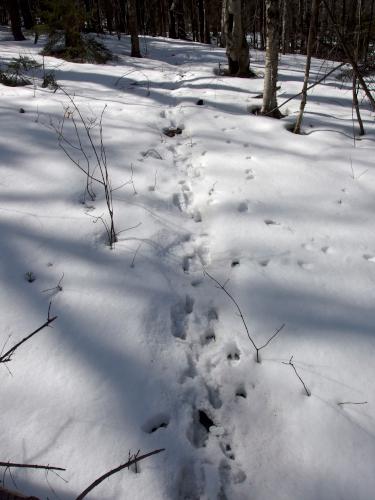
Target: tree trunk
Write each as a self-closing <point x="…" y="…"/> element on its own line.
<point x="180" y="18"/>
<point x="15" y="19"/>
<point x="172" y="20"/>
<point x="27" y="16"/>
<point x="285" y="28"/>
<point x="310" y="46"/>
<point x="133" y="28"/>
<point x="236" y="44"/>
<point x="269" y="107"/>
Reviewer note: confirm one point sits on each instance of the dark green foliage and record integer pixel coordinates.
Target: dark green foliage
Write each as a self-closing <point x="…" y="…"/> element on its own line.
<point x="88" y="50"/>
<point x="49" y="81"/>
<point x="15" y="74"/>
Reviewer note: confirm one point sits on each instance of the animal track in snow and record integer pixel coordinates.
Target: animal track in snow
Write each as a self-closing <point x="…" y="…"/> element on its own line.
<point x="241" y="391"/>
<point x="369" y="257"/>
<point x="184" y="198"/>
<point x="243" y="206"/>
<point x="270" y="222"/>
<point x="232" y="352"/>
<point x="305" y="265"/>
<point x="214" y="397"/>
<point x="197" y="257"/>
<point x="179" y="313"/>
<point x="264" y="262"/>
<point x="157" y="422"/>
<point x="249" y="174"/>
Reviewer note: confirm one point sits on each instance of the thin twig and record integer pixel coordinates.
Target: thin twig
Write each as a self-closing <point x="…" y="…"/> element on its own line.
<point x="308" y="393"/>
<point x="257" y="349"/>
<point x="114" y="471"/>
<point x="310" y="86"/>
<point x="29" y="466"/>
<point x="353" y="403"/>
<point x="5" y="358"/>
<point x="58" y="287"/>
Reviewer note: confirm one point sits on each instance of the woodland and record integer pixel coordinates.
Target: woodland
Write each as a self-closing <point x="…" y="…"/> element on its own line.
<point x="187" y="254"/>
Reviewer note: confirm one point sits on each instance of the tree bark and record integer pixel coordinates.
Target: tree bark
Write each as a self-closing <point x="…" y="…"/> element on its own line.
<point x="133" y="28"/>
<point x="310" y="46"/>
<point x="172" y="20"/>
<point x="235" y="39"/>
<point x="27" y="16"/>
<point x="15" y="19"/>
<point x="269" y="106"/>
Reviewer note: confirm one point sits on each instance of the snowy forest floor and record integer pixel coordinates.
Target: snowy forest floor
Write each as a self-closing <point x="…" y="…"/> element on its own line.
<point x="147" y="352"/>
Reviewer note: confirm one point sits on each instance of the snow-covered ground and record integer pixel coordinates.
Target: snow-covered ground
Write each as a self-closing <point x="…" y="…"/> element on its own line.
<point x="147" y="351"/>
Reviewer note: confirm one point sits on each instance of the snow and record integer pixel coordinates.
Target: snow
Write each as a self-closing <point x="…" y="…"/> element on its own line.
<point x="144" y="340"/>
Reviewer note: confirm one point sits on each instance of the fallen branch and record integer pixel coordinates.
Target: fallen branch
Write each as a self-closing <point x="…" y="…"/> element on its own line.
<point x="308" y="393"/>
<point x="352" y="403"/>
<point x="8" y="465"/>
<point x="257" y="349"/>
<point x="117" y="469"/>
<point x="5" y="358"/>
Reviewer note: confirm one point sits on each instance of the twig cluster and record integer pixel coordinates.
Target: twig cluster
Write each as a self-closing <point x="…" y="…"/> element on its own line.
<point x="95" y="150"/>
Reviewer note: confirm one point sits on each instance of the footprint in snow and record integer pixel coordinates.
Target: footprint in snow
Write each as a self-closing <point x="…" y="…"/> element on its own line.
<point x="155" y="423"/>
<point x="243" y="206"/>
<point x="249" y="174"/>
<point x="369" y="258"/>
<point x="179" y="313"/>
<point x="306" y="265"/>
<point x="270" y="222"/>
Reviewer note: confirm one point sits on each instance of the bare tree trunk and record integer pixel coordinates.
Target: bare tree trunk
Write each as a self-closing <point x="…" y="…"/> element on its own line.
<point x="172" y="20"/>
<point x="310" y="46"/>
<point x="15" y="19"/>
<point x="28" y="19"/>
<point x="180" y="18"/>
<point x="269" y="107"/>
<point x="133" y="28"/>
<point x="236" y="44"/>
<point x="285" y="28"/>
<point x="356" y="55"/>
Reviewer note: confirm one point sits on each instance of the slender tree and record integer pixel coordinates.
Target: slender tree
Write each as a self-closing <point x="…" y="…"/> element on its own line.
<point x="15" y="19"/>
<point x="235" y="39"/>
<point x="269" y="106"/>
<point x="133" y="28"/>
<point x="310" y="45"/>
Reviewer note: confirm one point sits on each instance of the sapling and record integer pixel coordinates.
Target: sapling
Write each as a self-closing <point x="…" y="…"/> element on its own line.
<point x="290" y="363"/>
<point x="257" y="349"/>
<point x="89" y="149"/>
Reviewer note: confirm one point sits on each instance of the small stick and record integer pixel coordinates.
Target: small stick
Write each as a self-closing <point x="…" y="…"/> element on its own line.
<point x="29" y="466"/>
<point x="58" y="287"/>
<point x="114" y="471"/>
<point x="353" y="403"/>
<point x="5" y="358"/>
<point x="135" y="255"/>
<point x="308" y="393"/>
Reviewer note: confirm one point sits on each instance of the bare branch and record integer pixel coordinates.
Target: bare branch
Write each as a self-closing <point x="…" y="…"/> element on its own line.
<point x="257" y="349"/>
<point x="114" y="471"/>
<point x="6" y="357"/>
<point x="353" y="403"/>
<point x="308" y="393"/>
<point x="30" y="466"/>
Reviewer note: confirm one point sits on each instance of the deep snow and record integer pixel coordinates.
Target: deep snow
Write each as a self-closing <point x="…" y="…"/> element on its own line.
<point x="144" y="342"/>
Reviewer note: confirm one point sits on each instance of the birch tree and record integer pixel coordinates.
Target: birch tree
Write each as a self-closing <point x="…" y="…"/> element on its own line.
<point x="269" y="106"/>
